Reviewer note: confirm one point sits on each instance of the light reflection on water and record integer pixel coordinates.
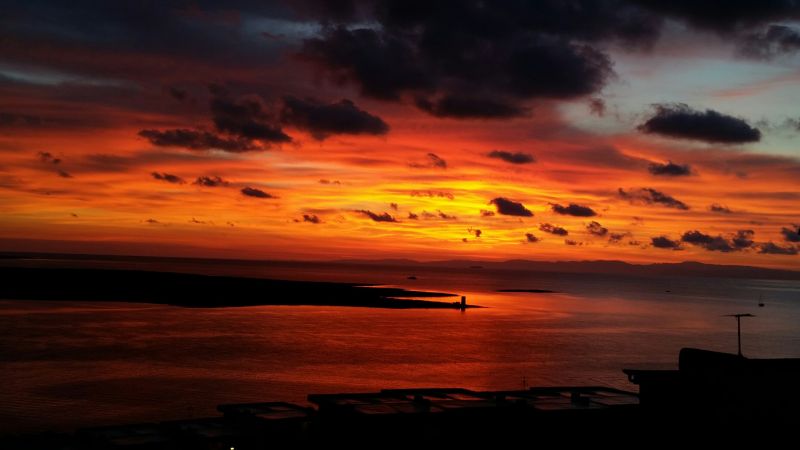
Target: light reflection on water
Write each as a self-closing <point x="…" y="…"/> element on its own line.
<point x="78" y="364"/>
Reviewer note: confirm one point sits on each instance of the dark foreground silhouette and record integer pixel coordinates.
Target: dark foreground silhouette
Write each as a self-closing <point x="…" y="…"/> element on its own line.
<point x="192" y="290"/>
<point x="712" y="399"/>
<point x="723" y="394"/>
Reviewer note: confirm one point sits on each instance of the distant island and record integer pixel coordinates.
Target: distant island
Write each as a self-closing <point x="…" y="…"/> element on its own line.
<point x="191" y="290"/>
<point x="681" y="269"/>
<point x="530" y="291"/>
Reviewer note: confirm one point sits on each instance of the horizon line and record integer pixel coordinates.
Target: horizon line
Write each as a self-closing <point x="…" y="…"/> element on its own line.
<point x="5" y="254"/>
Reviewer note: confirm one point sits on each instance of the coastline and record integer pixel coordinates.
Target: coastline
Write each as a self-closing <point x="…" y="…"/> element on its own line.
<point x="203" y="291"/>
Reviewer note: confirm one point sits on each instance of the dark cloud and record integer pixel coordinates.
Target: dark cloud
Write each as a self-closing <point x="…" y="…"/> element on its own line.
<point x="553" y="229"/>
<point x="197" y="140"/>
<point x="487" y="213"/>
<point x="433" y="162"/>
<point x="384" y="65"/>
<point x="384" y="217"/>
<point x="649" y="196"/>
<point x="501" y="56"/>
<point x="152" y="221"/>
<point x="311" y="218"/>
<point x="678" y="120"/>
<point x="326" y="181"/>
<point x="573" y="210"/>
<point x="513" y="158"/>
<point x="436" y="161"/>
<point x="572" y="242"/>
<point x="427" y="215"/>
<point x="743" y="239"/>
<point x="439" y="214"/>
<point x="773" y="249"/>
<point x="774" y="41"/>
<point x="615" y="238"/>
<point x="440" y="194"/>
<point x="445" y="216"/>
<point x="254" y="192"/>
<point x="669" y="169"/>
<point x="708" y="242"/>
<point x="734" y="16"/>
<point x="178" y="93"/>
<point x="510" y="208"/>
<point x="596" y="229"/>
<point x="474" y="231"/>
<point x="323" y="120"/>
<point x="665" y="242"/>
<point x="47" y="157"/>
<point x="394" y="206"/>
<point x="210" y="181"/>
<point x="168" y="177"/>
<point x="470" y="107"/>
<point x="597" y="106"/>
<point x="749" y="24"/>
<point x="244" y="124"/>
<point x="791" y="234"/>
<point x="246" y="118"/>
<point x="717" y="208"/>
<point x="529" y="237"/>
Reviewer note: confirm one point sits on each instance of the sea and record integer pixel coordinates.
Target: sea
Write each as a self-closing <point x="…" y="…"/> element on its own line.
<point x="72" y="364"/>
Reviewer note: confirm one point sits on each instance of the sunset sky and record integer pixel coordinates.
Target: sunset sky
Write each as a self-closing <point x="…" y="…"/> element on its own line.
<point x="643" y="131"/>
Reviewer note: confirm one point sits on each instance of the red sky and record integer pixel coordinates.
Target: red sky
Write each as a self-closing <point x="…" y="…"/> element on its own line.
<point x="353" y="133"/>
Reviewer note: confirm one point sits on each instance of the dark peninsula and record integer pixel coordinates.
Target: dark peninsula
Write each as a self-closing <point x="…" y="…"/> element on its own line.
<point x="201" y="291"/>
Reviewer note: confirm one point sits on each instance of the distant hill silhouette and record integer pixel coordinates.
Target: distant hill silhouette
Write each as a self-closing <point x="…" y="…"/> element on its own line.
<point x="682" y="269"/>
<point x="686" y="268"/>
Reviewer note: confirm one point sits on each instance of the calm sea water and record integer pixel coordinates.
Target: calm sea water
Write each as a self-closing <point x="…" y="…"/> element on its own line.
<point x="72" y="364"/>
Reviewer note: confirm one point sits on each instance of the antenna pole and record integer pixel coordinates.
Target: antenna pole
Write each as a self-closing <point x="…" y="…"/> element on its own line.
<point x="739" y="329"/>
<point x="739" y="333"/>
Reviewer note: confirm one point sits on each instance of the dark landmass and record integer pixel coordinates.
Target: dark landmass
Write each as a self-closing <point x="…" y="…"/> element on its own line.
<point x="532" y="291"/>
<point x="201" y="291"/>
<point x="683" y="269"/>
